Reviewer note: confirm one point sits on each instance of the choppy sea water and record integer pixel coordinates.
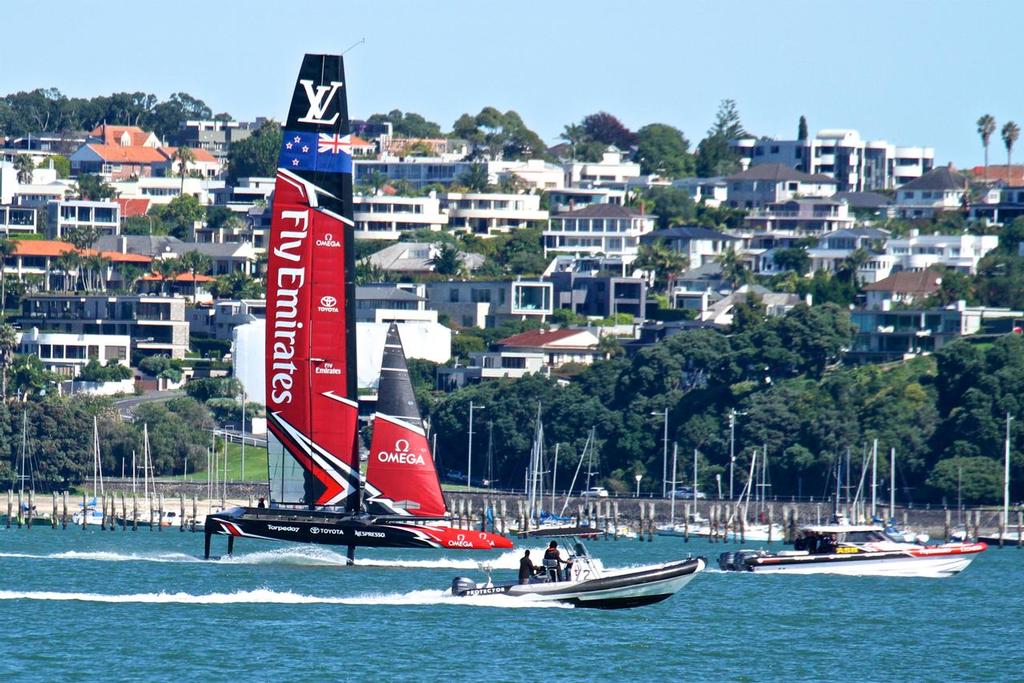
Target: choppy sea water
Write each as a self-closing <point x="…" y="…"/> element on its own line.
<point x="144" y="606"/>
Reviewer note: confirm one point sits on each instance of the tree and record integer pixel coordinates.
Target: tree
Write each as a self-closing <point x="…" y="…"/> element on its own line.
<point x="714" y="153"/>
<point x="94" y="187"/>
<point x="143" y="225"/>
<point x="986" y="126"/>
<point x="59" y="162"/>
<point x="794" y="258"/>
<point x="195" y="263"/>
<point x="977" y="479"/>
<point x="24" y="166"/>
<point x="497" y="135"/>
<point x="447" y="260"/>
<point x="801" y="131"/>
<point x="1010" y="132"/>
<point x="184" y="156"/>
<point x="256" y="155"/>
<point x="475" y="178"/>
<point x="8" y="344"/>
<point x="662" y="260"/>
<point x="238" y="285"/>
<point x="181" y="214"/>
<point x="408" y="125"/>
<point x="168" y="269"/>
<point x="575" y="135"/>
<point x="663" y="150"/>
<point x="604" y="128"/>
<point x="734" y="271"/>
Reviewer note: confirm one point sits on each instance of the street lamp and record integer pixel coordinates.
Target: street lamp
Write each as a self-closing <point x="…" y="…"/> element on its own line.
<point x="469" y="457"/>
<point x="638" y="478"/>
<point x="664" y="451"/>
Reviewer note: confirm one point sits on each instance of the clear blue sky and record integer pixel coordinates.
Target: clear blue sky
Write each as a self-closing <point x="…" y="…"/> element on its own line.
<point x="912" y="73"/>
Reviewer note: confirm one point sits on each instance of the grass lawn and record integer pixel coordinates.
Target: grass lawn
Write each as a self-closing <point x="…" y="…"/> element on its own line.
<point x="255" y="464"/>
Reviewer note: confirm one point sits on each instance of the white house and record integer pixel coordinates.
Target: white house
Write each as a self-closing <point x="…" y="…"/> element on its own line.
<point x="606" y="229"/>
<point x="67" y="353"/>
<point x="384" y="217"/>
<point x="611" y="170"/>
<point x="959" y="252"/>
<point x="941" y="189"/>
<point x="486" y="213"/>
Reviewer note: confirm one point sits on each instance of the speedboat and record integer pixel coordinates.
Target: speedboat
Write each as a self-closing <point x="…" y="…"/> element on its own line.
<point x="855" y="550"/>
<point x="589" y="585"/>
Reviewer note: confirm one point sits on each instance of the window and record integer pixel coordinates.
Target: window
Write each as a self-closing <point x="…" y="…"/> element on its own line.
<point x="775" y="149"/>
<point x="453" y="295"/>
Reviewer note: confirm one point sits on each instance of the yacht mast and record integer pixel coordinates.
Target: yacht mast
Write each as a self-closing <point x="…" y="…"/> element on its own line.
<point x="892" y="483"/>
<point x="874" y="477"/>
<point x="1006" y="476"/>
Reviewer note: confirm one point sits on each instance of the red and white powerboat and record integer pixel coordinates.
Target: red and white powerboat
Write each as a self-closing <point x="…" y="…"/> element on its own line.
<point x="857" y="551"/>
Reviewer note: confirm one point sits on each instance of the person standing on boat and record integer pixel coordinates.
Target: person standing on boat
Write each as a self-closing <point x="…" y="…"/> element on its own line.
<point x="553" y="561"/>
<point x="526" y="568"/>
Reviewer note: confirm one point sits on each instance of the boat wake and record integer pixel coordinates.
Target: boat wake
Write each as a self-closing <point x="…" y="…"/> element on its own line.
<point x="265" y="596"/>
<point x="103" y="556"/>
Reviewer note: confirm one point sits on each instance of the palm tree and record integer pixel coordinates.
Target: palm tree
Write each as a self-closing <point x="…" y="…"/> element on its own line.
<point x="733" y="270"/>
<point x="167" y="269"/>
<point x="196" y="263"/>
<point x="475" y="178"/>
<point x="575" y="135"/>
<point x="986" y="126"/>
<point x="7" y="247"/>
<point x="1011" y="131"/>
<point x="65" y="263"/>
<point x="662" y="260"/>
<point x="24" y="166"/>
<point x="184" y="156"/>
<point x="8" y="343"/>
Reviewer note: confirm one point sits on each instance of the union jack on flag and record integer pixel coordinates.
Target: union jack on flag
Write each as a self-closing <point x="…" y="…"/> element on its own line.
<point x="335" y="143"/>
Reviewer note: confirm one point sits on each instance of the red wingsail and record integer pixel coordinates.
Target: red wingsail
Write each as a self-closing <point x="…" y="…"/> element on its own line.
<point x="311" y="393"/>
<point x="400" y="474"/>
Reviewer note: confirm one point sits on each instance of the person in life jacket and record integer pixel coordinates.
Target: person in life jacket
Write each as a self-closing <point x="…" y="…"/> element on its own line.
<point x="553" y="561"/>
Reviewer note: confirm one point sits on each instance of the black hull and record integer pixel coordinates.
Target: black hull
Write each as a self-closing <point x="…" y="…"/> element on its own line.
<point x="345" y="529"/>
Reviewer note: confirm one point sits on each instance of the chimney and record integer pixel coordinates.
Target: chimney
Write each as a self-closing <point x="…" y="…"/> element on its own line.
<point x="643" y="207"/>
<point x="122" y="244"/>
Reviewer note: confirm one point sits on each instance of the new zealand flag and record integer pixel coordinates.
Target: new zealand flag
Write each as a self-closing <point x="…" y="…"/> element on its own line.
<point x="329" y="152"/>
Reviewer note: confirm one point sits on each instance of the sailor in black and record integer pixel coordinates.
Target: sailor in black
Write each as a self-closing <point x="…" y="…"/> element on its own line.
<point x="552" y="561"/>
<point x="526" y="568"/>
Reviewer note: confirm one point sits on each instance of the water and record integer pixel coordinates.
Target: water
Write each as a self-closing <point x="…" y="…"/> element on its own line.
<point x="144" y="606"/>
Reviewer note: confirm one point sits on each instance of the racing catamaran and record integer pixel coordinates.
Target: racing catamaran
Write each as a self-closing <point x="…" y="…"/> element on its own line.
<point x="312" y="409"/>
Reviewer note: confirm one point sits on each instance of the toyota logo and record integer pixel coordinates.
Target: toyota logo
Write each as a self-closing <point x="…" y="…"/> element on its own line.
<point x="328" y="301"/>
<point x="314" y="529"/>
<point x="402" y="446"/>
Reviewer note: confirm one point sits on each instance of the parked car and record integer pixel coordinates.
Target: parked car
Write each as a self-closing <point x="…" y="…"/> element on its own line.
<point x="686" y="493"/>
<point x="596" y="492"/>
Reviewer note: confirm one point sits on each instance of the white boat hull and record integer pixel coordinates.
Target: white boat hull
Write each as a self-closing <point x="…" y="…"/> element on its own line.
<point x="925" y="562"/>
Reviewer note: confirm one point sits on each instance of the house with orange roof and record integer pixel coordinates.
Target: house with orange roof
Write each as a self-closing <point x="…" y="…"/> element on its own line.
<point x="193" y="287"/>
<point x="124" y="152"/>
<point x="559" y="347"/>
<point x="50" y="261"/>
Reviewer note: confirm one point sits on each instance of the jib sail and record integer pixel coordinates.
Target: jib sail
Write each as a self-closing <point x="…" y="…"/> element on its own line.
<point x="310" y="347"/>
<point x="400" y="474"/>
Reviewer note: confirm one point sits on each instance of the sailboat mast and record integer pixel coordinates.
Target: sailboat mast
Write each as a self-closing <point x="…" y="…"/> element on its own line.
<point x="892" y="483"/>
<point x="672" y="507"/>
<point x="24" y="438"/>
<point x="554" y="478"/>
<point x="1006" y="476"/>
<point x="98" y="472"/>
<point x="874" y="477"/>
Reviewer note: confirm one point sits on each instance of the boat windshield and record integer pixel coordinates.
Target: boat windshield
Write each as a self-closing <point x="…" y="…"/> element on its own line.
<point x="864" y="537"/>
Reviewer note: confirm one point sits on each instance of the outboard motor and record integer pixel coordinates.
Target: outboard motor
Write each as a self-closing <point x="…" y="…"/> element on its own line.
<point x="725" y="561"/>
<point x="460" y="584"/>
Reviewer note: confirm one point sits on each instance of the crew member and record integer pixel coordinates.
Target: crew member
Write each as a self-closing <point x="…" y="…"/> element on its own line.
<point x="262" y="503"/>
<point x="526" y="568"/>
<point x="553" y="561"/>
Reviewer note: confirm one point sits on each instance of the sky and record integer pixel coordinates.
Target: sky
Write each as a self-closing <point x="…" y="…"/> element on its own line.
<point x="911" y="73"/>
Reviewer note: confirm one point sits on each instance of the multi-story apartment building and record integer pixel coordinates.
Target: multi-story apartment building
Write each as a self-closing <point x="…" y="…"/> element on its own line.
<point x="219" y="318"/>
<point x="856" y="165"/>
<point x="400" y="303"/>
<point x="384" y="217"/>
<point x="214" y="136"/>
<point x="599" y="295"/>
<point x="572" y="198"/>
<point x="486" y="304"/>
<point x="698" y="244"/>
<point x="485" y="213"/>
<point x="612" y="170"/>
<point x="607" y="229"/>
<point x="68" y="215"/>
<point x="156" y="324"/>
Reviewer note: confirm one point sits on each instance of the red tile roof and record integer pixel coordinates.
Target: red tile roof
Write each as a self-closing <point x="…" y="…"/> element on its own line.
<point x="538" y="338"/>
<point x="197" y="153"/>
<point x="54" y="248"/>
<point x="1011" y="175"/>
<point x="133" y="207"/>
<point x="111" y="135"/>
<point x="116" y="154"/>
<point x="180" y="277"/>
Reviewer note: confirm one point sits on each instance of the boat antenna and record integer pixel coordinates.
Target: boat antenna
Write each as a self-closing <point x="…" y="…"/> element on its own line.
<point x="351" y="47"/>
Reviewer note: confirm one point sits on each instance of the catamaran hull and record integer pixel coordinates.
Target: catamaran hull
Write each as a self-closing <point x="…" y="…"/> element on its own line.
<point x="633" y="588"/>
<point x="927" y="562"/>
<point x="344" y="529"/>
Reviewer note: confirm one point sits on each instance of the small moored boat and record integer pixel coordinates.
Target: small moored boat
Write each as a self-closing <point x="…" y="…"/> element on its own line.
<point x="855" y="550"/>
<point x="591" y="586"/>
